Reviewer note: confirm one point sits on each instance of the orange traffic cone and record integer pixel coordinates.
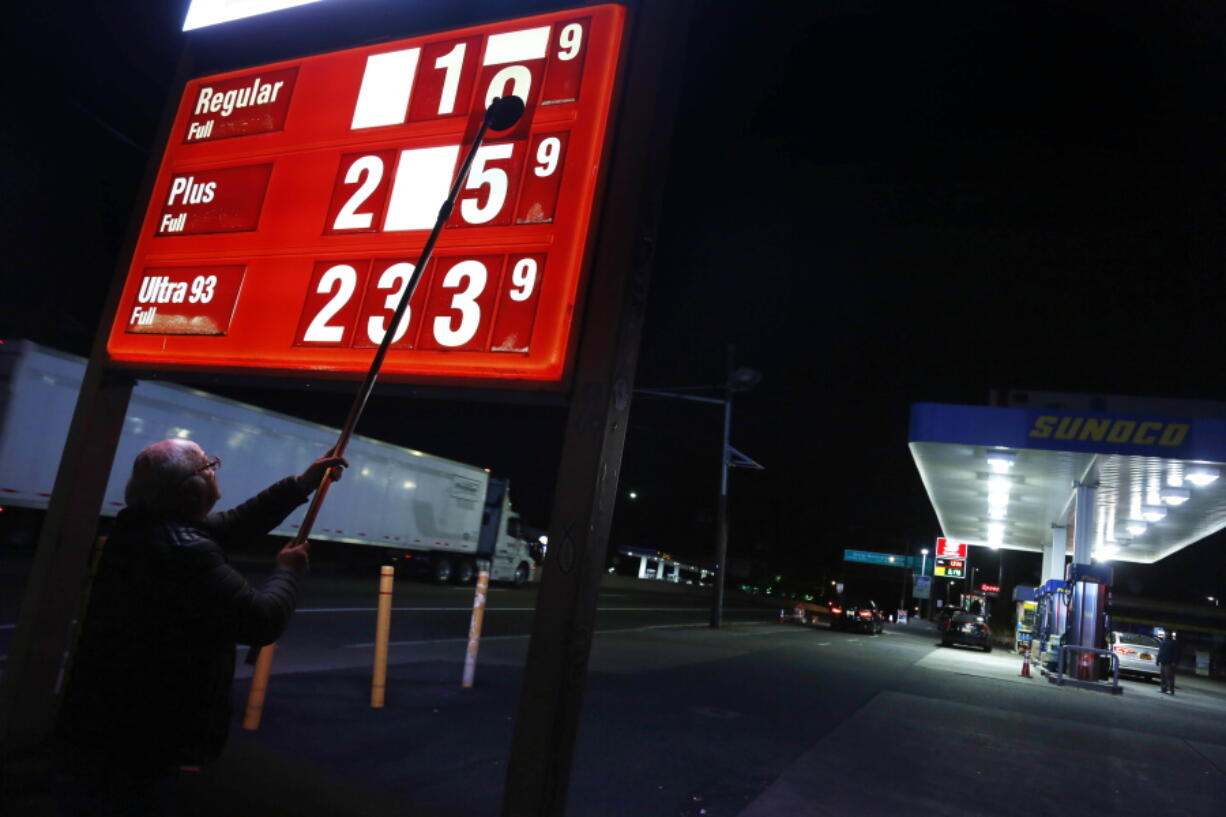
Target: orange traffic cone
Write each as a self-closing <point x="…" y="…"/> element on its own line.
<point x="1025" y="664"/>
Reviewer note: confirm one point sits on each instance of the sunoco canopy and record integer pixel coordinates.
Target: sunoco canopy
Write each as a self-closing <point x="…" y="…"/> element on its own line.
<point x="1004" y="477"/>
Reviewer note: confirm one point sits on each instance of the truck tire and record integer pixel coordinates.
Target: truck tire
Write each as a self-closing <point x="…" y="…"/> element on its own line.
<point x="441" y="570"/>
<point x="465" y="572"/>
<point x="521" y="575"/>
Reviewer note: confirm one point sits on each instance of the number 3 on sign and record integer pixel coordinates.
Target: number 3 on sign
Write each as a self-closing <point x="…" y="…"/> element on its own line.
<point x="461" y="300"/>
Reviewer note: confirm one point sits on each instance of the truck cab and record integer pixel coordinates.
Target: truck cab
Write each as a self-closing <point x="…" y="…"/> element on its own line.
<point x="502" y="538"/>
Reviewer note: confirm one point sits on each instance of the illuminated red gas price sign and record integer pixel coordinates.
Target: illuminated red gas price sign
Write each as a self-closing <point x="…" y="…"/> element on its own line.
<point x="947" y="549"/>
<point x="293" y="201"/>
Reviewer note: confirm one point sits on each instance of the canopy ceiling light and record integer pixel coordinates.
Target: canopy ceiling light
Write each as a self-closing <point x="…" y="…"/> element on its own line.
<point x="1105" y="551"/>
<point x="998" y="490"/>
<point x="1001" y="461"/>
<point x="1153" y="513"/>
<point x="1135" y="526"/>
<point x="1175" y="496"/>
<point x="1201" y="475"/>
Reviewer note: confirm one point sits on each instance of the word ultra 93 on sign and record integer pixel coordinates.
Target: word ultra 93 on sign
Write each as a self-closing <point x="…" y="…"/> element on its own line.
<point x="293" y="201"/>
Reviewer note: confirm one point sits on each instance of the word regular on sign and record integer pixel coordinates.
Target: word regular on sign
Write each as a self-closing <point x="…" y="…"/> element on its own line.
<point x="313" y="184"/>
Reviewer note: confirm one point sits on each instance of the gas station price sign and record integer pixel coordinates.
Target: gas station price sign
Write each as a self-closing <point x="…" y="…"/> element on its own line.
<point x="293" y="201"/>
<point x="950" y="568"/>
<point x="948" y="549"/>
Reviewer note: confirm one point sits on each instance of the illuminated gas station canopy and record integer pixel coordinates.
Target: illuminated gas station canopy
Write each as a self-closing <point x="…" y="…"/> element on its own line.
<point x="1004" y="477"/>
<point x="293" y="200"/>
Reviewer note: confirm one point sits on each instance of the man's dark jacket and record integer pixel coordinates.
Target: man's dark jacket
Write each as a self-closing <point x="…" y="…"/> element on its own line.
<point x="1169" y="651"/>
<point x="150" y="681"/>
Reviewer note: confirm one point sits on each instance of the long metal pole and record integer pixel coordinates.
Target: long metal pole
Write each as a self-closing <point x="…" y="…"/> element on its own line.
<point x="372" y="375"/>
<point x="721" y="536"/>
<point x="496" y="115"/>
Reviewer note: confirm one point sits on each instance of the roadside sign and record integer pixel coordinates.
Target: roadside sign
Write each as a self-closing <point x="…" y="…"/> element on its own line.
<point x="947" y="549"/>
<point x="922" y="589"/>
<point x="294" y="198"/>
<point x="869" y="557"/>
<point x="950" y="568"/>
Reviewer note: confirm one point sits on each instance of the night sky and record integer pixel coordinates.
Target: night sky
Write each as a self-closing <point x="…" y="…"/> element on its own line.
<point x="877" y="202"/>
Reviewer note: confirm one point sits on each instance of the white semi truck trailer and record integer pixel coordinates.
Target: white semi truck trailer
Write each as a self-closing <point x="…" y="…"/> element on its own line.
<point x="439" y="516"/>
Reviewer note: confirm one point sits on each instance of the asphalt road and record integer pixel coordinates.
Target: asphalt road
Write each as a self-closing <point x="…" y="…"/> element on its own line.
<point x="335" y="623"/>
<point x="757" y="719"/>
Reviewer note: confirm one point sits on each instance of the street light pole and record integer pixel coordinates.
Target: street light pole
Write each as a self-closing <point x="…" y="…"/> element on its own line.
<point x="736" y="380"/>
<point x="721" y="514"/>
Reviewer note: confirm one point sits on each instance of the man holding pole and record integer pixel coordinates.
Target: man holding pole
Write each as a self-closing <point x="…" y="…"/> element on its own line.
<point x="149" y="687"/>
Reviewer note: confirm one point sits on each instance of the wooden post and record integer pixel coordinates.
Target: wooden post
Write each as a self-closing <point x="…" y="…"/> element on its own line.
<point x="383" y="628"/>
<point x="58" y="577"/>
<point x="538" y="769"/>
<point x="474" y="626"/>
<point x="259" y="685"/>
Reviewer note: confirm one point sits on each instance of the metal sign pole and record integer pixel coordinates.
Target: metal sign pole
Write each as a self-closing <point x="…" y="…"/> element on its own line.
<point x="501" y="115"/>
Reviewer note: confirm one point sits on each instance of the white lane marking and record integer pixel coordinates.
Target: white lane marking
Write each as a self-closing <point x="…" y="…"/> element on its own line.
<point x="8" y="626"/>
<point x="525" y="635"/>
<point x="823" y="643"/>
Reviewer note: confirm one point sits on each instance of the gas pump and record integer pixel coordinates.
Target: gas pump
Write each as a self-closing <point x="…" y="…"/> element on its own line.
<point x="1025" y="617"/>
<point x="1087" y="625"/>
<point x="1052" y="603"/>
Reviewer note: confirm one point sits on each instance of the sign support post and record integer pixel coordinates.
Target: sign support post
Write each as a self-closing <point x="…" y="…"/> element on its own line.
<point x="538" y="771"/>
<point x="61" y="561"/>
<point x="60" y="570"/>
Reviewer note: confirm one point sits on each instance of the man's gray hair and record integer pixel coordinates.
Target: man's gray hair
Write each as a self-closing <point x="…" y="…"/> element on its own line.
<point x="157" y="475"/>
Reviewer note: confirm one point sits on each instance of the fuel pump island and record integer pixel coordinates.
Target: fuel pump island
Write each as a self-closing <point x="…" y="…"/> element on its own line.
<point x="1098" y="479"/>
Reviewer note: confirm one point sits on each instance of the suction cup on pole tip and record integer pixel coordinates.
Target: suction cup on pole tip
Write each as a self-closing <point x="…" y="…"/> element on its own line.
<point x="504" y="112"/>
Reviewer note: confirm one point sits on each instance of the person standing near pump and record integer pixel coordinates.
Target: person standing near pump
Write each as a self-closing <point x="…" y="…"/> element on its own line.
<point x="1168" y="657"/>
<point x="149" y="686"/>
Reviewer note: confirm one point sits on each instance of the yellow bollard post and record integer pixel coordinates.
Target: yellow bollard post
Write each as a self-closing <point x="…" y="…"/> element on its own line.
<point x="474" y="627"/>
<point x="383" y="628"/>
<point x="259" y="684"/>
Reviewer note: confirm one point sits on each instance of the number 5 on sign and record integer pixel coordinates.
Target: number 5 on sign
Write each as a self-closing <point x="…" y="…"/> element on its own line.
<point x="491" y="187"/>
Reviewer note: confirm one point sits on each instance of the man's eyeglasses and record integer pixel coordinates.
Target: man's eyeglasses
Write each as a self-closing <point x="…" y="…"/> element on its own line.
<point x="212" y="465"/>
